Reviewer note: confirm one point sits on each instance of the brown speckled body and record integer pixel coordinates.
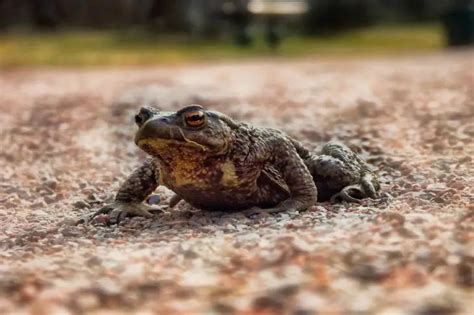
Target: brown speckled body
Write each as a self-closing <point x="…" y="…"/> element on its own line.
<point x="223" y="164"/>
<point x="239" y="179"/>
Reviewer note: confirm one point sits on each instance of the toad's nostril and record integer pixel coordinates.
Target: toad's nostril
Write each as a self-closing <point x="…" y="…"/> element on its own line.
<point x="138" y="120"/>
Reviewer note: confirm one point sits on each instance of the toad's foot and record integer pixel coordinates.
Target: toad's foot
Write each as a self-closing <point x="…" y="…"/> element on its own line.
<point x="119" y="210"/>
<point x="347" y="193"/>
<point x="354" y="193"/>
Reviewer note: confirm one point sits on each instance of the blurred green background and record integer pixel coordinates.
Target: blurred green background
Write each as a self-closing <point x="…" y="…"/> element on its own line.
<point x="125" y="32"/>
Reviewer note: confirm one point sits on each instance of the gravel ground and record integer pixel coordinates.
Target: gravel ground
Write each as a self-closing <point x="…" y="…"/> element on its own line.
<point x="67" y="144"/>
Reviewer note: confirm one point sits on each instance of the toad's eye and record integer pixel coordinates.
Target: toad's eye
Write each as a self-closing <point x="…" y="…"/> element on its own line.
<point x="194" y="118"/>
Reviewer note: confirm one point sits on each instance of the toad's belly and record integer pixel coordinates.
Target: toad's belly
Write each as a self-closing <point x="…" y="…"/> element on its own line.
<point x="241" y="195"/>
<point x="214" y="194"/>
<point x="219" y="186"/>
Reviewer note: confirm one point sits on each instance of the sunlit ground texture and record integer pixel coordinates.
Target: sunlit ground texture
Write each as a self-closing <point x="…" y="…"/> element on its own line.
<point x="67" y="144"/>
<point x="99" y="48"/>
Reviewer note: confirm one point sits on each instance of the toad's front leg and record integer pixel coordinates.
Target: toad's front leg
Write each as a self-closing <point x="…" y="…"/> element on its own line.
<point x="129" y="200"/>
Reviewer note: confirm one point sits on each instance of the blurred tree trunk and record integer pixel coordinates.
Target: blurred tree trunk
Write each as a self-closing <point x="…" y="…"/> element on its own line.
<point x="167" y="14"/>
<point x="331" y="16"/>
<point x="44" y="13"/>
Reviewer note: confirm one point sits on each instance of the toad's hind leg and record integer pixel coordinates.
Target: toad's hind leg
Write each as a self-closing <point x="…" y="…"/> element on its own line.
<point x="356" y="192"/>
<point x="340" y="174"/>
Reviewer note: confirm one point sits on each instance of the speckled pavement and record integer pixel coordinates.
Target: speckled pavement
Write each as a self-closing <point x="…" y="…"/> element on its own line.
<point x="67" y="143"/>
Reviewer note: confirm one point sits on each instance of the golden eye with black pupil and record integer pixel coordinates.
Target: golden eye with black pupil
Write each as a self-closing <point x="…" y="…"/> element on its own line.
<point x="194" y="118"/>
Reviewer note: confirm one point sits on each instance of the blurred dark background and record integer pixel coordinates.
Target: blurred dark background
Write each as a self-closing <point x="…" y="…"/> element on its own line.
<point x="238" y="22"/>
<point x="205" y="17"/>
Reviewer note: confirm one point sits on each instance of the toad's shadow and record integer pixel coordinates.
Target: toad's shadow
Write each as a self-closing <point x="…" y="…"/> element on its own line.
<point x="185" y="218"/>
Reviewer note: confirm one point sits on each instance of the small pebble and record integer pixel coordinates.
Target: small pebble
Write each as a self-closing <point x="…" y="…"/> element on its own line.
<point x="154" y="199"/>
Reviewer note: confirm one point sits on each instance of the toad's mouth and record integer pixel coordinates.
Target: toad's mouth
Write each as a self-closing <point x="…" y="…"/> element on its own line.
<point x="164" y="145"/>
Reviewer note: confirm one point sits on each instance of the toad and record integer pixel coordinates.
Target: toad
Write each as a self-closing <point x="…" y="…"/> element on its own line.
<point x="214" y="162"/>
